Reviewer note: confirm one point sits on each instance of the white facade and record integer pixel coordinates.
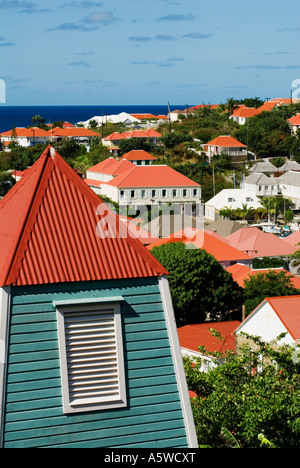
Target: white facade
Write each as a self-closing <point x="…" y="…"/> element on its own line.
<point x="290" y="186"/>
<point x="151" y="195"/>
<point x="261" y="185"/>
<point x="264" y="322"/>
<point x="230" y="198"/>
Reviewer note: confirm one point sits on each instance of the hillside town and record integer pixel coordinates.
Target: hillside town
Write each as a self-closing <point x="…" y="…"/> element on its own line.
<point x="173" y="238"/>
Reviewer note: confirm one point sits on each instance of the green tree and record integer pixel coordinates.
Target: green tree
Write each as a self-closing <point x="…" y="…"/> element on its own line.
<point x="6" y="183"/>
<point x="200" y="286"/>
<point x="257" y="408"/>
<point x="262" y="285"/>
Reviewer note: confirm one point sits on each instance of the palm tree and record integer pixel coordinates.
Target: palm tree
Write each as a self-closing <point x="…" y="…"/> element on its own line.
<point x="231" y="105"/>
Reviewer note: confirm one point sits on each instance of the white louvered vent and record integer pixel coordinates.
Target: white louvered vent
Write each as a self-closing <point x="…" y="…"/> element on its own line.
<point x="93" y="361"/>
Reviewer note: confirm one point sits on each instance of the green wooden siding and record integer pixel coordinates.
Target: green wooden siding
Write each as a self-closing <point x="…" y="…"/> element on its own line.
<point x="34" y="416"/>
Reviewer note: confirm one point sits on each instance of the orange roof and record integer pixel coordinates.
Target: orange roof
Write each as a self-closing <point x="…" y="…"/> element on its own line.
<point x="118" y="168"/>
<point x="241" y="272"/>
<point x="72" y="132"/>
<point x="32" y="132"/>
<point x="152" y="176"/>
<point x="138" y="155"/>
<point x="226" y="142"/>
<point x="193" y="336"/>
<point x="152" y="133"/>
<point x="144" y="116"/>
<point x="51" y="226"/>
<point x="288" y="310"/>
<point x="295" y="120"/>
<point x="243" y="111"/>
<point x="135" y="134"/>
<point x="101" y="166"/>
<point x="221" y="250"/>
<point x="259" y="244"/>
<point x="115" y="137"/>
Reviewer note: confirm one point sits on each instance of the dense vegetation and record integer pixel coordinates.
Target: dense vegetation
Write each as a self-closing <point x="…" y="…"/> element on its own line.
<point x="251" y="400"/>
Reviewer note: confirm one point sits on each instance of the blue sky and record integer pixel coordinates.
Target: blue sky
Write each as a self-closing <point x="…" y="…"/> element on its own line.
<point x="147" y="52"/>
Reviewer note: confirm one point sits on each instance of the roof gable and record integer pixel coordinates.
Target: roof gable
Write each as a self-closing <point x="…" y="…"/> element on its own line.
<point x="52" y="226"/>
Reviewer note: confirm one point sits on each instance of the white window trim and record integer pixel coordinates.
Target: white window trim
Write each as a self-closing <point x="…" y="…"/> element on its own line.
<point x="82" y="307"/>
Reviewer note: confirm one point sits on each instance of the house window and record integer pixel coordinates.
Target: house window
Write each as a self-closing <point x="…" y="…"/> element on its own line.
<point x="132" y="193"/>
<point x="122" y="193"/>
<point x="259" y="188"/>
<point x="174" y="193"/>
<point x="184" y="193"/>
<point x="195" y="192"/>
<point x="91" y="355"/>
<point x="143" y="193"/>
<point x="153" y="193"/>
<point x="164" y="193"/>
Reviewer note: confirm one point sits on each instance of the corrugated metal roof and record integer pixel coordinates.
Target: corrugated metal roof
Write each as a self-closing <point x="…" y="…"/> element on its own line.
<point x="56" y="229"/>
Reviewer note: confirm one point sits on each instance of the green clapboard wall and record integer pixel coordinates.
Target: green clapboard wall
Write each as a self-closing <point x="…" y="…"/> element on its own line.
<point x="33" y="413"/>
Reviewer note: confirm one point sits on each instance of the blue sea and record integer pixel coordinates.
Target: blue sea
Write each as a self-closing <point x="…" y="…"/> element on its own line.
<point x="21" y="116"/>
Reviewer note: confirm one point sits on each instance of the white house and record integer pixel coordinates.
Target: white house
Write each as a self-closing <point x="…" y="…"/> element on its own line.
<point x="226" y="145"/>
<point x="139" y="157"/>
<point x="230" y="198"/>
<point x="290" y="186"/>
<point x="151" y="185"/>
<point x="123" y="118"/>
<point x="294" y="123"/>
<point x="261" y="185"/>
<point x="25" y="136"/>
<point x="274" y="316"/>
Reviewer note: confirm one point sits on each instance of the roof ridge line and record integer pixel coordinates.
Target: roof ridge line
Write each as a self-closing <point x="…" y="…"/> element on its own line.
<point x="29" y="216"/>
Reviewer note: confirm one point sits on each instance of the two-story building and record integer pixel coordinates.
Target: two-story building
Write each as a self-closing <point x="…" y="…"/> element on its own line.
<point x="261" y="185"/>
<point x="225" y="145"/>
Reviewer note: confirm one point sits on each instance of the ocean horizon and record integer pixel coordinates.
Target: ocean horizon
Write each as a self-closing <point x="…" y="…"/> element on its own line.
<point x="20" y="116"/>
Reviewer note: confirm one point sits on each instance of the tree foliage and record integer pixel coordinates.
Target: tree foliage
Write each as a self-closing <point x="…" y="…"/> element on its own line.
<point x="270" y="284"/>
<point x="256" y="408"/>
<point x="199" y="285"/>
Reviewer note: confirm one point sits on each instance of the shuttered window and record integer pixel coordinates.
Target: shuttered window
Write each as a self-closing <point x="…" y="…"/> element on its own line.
<point x="91" y="353"/>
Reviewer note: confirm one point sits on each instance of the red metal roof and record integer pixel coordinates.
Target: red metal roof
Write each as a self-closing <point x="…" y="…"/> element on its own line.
<point x="193" y="336"/>
<point x="241" y="272"/>
<point x="53" y="233"/>
<point x="288" y="310"/>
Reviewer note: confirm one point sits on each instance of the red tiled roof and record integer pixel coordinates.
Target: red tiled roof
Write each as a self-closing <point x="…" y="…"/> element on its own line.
<point x="152" y="176"/>
<point x="152" y="133"/>
<point x="138" y="155"/>
<point x="241" y="272"/>
<point x="101" y="166"/>
<point x="243" y="111"/>
<point x="193" y="336"/>
<point x="226" y="142"/>
<point x="53" y="233"/>
<point x="295" y="120"/>
<point x="115" y="137"/>
<point x="221" y="250"/>
<point x="72" y="132"/>
<point x="32" y="132"/>
<point x="135" y="134"/>
<point x="259" y="244"/>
